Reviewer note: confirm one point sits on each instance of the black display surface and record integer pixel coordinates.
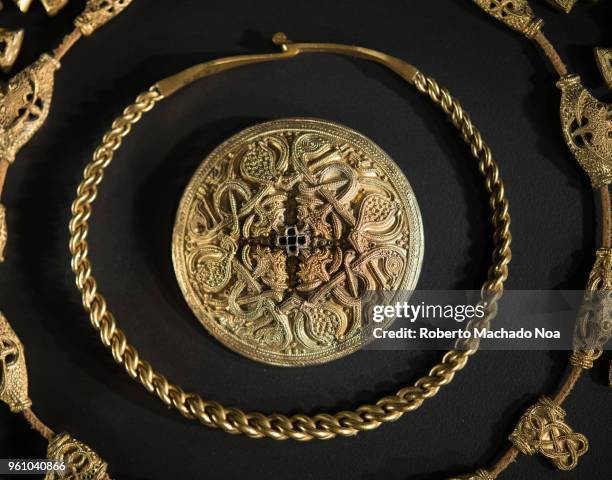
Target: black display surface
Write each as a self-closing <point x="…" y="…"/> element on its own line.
<point x="503" y="82"/>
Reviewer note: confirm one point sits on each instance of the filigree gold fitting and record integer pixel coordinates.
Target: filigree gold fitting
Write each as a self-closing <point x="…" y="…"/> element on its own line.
<point x="587" y="129"/>
<point x="542" y="430"/>
<point x="80" y="460"/>
<point x="98" y="13"/>
<point x="516" y="14"/>
<point x="563" y="5"/>
<point x="24" y="105"/>
<point x="14" y="375"/>
<point x="603" y="56"/>
<point x="585" y="359"/>
<point x="600" y="277"/>
<point x="480" y="474"/>
<point x="11" y="41"/>
<point x="3" y="232"/>
<point x="594" y="323"/>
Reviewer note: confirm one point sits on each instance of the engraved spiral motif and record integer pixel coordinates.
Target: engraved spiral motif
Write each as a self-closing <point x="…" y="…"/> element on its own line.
<point x="282" y="285"/>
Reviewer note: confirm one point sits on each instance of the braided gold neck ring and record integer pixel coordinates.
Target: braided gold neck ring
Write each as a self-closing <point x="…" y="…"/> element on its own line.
<point x="301" y="427"/>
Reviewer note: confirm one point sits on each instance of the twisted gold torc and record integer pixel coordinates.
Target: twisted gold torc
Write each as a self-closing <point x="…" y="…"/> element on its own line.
<point x="278" y="426"/>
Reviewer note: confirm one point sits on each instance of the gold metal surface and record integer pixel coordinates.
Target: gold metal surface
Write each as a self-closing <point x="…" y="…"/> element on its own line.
<point x="81" y="462"/>
<point x="278" y="426"/>
<point x="13" y="371"/>
<point x="563" y="5"/>
<point x="585" y="359"/>
<point x="24" y="105"/>
<point x="480" y="474"/>
<point x="26" y="99"/>
<point x="3" y="232"/>
<point x="23" y="5"/>
<point x="98" y="13"/>
<point x="594" y="323"/>
<point x="516" y="14"/>
<point x="52" y="7"/>
<point x="542" y="430"/>
<point x="10" y="46"/>
<point x="587" y="129"/>
<point x="600" y="277"/>
<point x="169" y="86"/>
<point x="281" y="232"/>
<point x="603" y="56"/>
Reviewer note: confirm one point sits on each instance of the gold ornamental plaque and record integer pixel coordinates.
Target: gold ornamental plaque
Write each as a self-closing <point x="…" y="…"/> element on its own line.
<point x="281" y="232"/>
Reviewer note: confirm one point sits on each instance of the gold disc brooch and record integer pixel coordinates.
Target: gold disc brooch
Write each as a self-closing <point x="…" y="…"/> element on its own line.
<point x="281" y="232"/>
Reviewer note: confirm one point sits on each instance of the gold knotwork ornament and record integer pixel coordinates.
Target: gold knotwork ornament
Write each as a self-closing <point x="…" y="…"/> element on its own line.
<point x="542" y="430"/>
<point x="284" y="229"/>
<point x="14" y="379"/>
<point x="587" y="129"/>
<point x="11" y="41"/>
<point x="98" y="13"/>
<point x="24" y="105"/>
<point x="603" y="56"/>
<point x="563" y="5"/>
<point x="516" y="14"/>
<point x="81" y="462"/>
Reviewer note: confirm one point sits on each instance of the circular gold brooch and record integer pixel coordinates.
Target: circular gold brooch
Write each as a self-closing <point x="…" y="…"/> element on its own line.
<point x="283" y="229"/>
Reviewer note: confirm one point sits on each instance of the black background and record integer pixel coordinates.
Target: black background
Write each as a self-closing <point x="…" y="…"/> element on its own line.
<point x="504" y="83"/>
